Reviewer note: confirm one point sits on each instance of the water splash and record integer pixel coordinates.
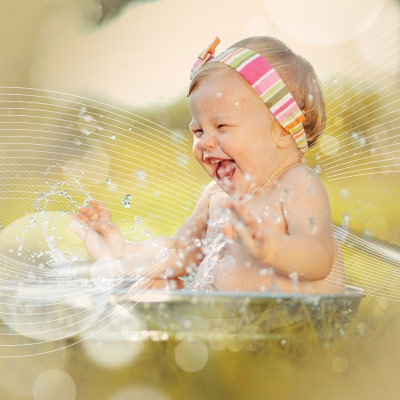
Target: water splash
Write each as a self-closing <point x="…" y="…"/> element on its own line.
<point x="40" y="204"/>
<point x="204" y="279"/>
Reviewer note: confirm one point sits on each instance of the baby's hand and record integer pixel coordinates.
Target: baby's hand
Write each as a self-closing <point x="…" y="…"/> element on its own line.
<point x="246" y="230"/>
<point x="101" y="236"/>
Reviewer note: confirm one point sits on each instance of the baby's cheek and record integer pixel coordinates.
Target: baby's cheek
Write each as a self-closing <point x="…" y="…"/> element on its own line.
<point x="195" y="150"/>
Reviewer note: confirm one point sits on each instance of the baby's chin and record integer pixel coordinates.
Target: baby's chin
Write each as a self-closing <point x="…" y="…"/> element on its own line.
<point x="237" y="190"/>
<point x="231" y="188"/>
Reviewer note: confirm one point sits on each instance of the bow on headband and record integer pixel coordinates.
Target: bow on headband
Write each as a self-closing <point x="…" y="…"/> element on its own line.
<point x="204" y="56"/>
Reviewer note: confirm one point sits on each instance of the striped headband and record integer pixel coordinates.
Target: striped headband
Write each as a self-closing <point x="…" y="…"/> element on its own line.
<point x="266" y="81"/>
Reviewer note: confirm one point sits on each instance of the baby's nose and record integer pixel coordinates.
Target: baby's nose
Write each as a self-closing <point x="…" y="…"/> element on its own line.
<point x="207" y="142"/>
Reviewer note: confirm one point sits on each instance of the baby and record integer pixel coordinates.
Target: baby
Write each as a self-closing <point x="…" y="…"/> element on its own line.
<point x="264" y="222"/>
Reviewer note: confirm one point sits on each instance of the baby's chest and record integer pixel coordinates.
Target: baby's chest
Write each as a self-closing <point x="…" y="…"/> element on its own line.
<point x="266" y="211"/>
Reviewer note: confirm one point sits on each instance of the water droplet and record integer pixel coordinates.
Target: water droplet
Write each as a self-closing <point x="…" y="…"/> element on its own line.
<point x="178" y="263"/>
<point x="283" y="342"/>
<point x="247" y="177"/>
<point x="219" y="94"/>
<point x="85" y="131"/>
<point x="169" y="273"/>
<point x="146" y="233"/>
<point x="318" y="169"/>
<point x="112" y="187"/>
<point x="263" y="272"/>
<point x="187" y="323"/>
<point x="288" y="191"/>
<point x="82" y="111"/>
<point x="367" y="234"/>
<point x="344" y="193"/>
<point x="163" y="254"/>
<point x="276" y="218"/>
<point x="237" y="103"/>
<point x="126" y="201"/>
<point x="295" y="281"/>
<point x="345" y="219"/>
<point x="312" y="225"/>
<point x="113" y="137"/>
<point x="141" y="175"/>
<point x="197" y="242"/>
<point x="138" y="220"/>
<point x="87" y="118"/>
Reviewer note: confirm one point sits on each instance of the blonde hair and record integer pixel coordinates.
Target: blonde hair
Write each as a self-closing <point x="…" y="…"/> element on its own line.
<point x="297" y="73"/>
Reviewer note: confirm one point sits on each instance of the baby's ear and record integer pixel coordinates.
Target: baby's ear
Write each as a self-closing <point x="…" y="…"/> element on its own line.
<point x="281" y="137"/>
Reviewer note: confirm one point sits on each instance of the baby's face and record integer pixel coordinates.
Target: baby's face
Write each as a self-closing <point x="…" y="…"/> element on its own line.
<point x="231" y="129"/>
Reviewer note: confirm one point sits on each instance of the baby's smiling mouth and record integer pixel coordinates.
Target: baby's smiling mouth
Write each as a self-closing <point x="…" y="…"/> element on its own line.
<point x="225" y="169"/>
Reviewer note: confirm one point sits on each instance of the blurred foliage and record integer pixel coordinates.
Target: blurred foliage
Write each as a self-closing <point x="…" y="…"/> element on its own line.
<point x="358" y="154"/>
<point x="112" y="8"/>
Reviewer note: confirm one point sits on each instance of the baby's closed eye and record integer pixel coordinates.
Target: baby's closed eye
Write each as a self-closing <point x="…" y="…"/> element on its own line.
<point x="197" y="132"/>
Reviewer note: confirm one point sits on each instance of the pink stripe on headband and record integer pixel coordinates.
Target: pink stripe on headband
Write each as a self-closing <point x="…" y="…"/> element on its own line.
<point x="285" y="105"/>
<point x="267" y="81"/>
<point x="252" y="70"/>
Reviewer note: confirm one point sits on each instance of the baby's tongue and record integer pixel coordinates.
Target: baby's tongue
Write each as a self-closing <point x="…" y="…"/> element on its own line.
<point x="225" y="169"/>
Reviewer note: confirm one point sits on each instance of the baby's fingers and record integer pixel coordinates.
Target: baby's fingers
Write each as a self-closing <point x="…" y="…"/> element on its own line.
<point x="229" y="231"/>
<point x="252" y="240"/>
<point x="102" y="211"/>
<point x="89" y="212"/>
<point x="242" y="214"/>
<point x="104" y="228"/>
<point x="80" y="218"/>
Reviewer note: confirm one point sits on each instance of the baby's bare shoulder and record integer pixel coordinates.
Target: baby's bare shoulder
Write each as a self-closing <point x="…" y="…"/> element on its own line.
<point x="303" y="180"/>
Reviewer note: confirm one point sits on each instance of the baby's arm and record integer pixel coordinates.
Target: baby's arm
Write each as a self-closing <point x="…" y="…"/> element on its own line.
<point x="155" y="258"/>
<point x="308" y="247"/>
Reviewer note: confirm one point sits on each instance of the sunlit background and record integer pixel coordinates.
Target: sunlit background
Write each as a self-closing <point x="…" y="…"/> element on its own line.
<point x="93" y="105"/>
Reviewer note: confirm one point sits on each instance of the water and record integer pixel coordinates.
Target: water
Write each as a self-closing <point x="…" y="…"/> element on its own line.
<point x="57" y="190"/>
<point x="126" y="201"/>
<point x="212" y="247"/>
